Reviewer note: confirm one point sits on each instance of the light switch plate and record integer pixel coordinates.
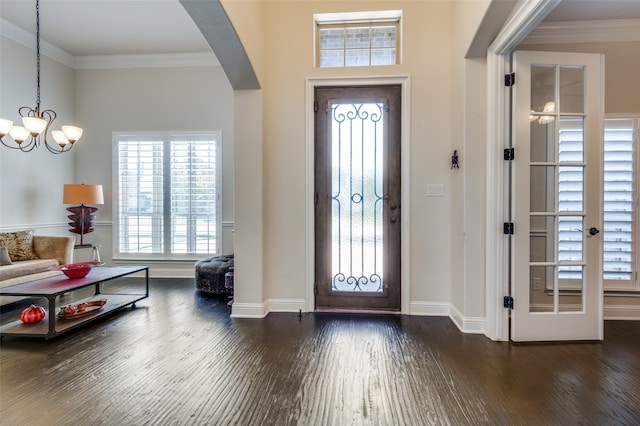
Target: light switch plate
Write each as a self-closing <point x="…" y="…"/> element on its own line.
<point x="435" y="190"/>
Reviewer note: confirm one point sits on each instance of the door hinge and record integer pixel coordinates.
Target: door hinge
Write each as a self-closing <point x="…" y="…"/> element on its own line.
<point x="510" y="79"/>
<point x="315" y="106"/>
<point x="315" y="289"/>
<point x="315" y="198"/>
<point x="508" y="302"/>
<point x="507" y="228"/>
<point x="509" y="154"/>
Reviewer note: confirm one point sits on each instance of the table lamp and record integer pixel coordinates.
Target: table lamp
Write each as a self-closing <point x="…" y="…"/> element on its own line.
<point x="82" y="216"/>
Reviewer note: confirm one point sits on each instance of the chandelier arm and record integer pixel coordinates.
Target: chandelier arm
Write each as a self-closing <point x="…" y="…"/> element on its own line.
<point x="55" y="148"/>
<point x="24" y="147"/>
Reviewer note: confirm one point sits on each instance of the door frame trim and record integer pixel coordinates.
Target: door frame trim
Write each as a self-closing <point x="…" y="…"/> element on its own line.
<point x="520" y="24"/>
<point x="405" y="158"/>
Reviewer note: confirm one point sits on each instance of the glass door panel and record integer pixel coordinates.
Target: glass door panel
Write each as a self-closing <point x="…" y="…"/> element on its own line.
<point x="558" y="124"/>
<point x="572" y="86"/>
<point x="357" y="208"/>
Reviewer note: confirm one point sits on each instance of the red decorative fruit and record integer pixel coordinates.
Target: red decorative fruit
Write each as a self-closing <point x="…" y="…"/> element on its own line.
<point x="33" y="314"/>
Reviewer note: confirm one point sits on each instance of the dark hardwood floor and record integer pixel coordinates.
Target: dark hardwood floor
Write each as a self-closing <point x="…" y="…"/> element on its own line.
<point x="179" y="359"/>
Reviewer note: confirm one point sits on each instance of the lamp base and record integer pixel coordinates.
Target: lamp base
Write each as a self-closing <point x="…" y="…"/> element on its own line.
<point x="82" y="218"/>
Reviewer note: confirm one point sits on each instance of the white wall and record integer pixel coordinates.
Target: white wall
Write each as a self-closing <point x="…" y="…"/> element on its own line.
<point x="145" y="99"/>
<point x="288" y="49"/>
<point x="31" y="183"/>
<point x="468" y="182"/>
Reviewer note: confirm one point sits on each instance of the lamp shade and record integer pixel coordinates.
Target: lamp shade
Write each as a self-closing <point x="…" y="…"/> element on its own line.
<point x="35" y="125"/>
<point x="82" y="194"/>
<point x="5" y="126"/>
<point x="72" y="133"/>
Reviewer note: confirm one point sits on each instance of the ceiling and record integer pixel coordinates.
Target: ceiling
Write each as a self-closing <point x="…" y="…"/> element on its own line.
<point x="109" y="27"/>
<point x="590" y="10"/>
<point x="130" y="27"/>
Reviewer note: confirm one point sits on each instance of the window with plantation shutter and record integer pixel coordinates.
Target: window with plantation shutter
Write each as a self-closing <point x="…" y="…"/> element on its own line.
<point x="167" y="202"/>
<point x="620" y="233"/>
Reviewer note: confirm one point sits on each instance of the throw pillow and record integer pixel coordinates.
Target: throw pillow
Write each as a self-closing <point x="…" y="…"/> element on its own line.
<point x="19" y="244"/>
<point x="4" y="256"/>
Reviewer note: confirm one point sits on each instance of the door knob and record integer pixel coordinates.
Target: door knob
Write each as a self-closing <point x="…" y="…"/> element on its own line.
<point x="393" y="206"/>
<point x="593" y="231"/>
<point x="393" y="219"/>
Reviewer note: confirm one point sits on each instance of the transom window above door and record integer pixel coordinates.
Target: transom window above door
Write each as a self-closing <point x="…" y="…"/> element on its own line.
<point x="357" y="39"/>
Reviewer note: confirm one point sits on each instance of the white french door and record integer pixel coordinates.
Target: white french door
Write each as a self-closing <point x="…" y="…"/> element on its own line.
<point x="557" y="115"/>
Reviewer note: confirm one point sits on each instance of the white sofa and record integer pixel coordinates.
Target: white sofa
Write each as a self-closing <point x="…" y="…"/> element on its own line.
<point x="50" y="250"/>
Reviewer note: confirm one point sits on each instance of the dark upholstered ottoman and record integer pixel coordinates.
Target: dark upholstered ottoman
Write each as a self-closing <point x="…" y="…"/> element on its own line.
<point x="210" y="274"/>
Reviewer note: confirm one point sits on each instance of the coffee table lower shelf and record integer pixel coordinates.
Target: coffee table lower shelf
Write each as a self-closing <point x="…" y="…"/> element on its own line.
<point x="102" y="283"/>
<point x="42" y="328"/>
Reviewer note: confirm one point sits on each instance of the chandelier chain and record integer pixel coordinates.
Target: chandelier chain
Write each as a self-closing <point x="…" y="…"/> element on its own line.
<point x="38" y="54"/>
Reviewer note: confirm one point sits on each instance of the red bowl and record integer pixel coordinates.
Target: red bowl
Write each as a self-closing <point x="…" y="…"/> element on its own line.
<point x="76" y="270"/>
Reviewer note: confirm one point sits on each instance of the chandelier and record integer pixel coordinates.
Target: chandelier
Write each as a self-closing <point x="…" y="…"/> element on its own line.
<point x="37" y="122"/>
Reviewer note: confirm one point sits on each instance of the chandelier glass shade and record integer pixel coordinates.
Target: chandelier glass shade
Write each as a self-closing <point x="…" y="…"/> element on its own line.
<point x="36" y="123"/>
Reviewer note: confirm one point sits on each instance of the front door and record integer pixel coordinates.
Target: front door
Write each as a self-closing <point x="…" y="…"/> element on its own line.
<point x="357" y="198"/>
<point x="557" y="257"/>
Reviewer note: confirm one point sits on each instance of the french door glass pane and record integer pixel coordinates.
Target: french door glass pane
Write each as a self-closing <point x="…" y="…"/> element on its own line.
<point x="570" y="239"/>
<point x="543" y="88"/>
<point x="571" y="90"/>
<point x="542" y="242"/>
<point x="543" y="189"/>
<point x="542" y="288"/>
<point x="571" y="139"/>
<point x="571" y="189"/>
<point x="570" y="296"/>
<point x="542" y="140"/>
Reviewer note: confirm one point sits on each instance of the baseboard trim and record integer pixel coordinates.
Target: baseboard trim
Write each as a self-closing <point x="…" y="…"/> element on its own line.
<point x="469" y="325"/>
<point x="440" y="309"/>
<point x="171" y="272"/>
<point x="248" y="310"/>
<point x="286" y="305"/>
<point x="621" y="312"/>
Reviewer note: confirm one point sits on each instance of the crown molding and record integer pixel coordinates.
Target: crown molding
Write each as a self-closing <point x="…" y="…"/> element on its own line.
<point x="169" y="60"/>
<point x="601" y="31"/>
<point x="163" y="60"/>
<point x="27" y="39"/>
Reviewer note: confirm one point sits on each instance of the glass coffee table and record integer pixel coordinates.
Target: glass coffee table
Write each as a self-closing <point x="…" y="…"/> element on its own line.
<point x="102" y="289"/>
